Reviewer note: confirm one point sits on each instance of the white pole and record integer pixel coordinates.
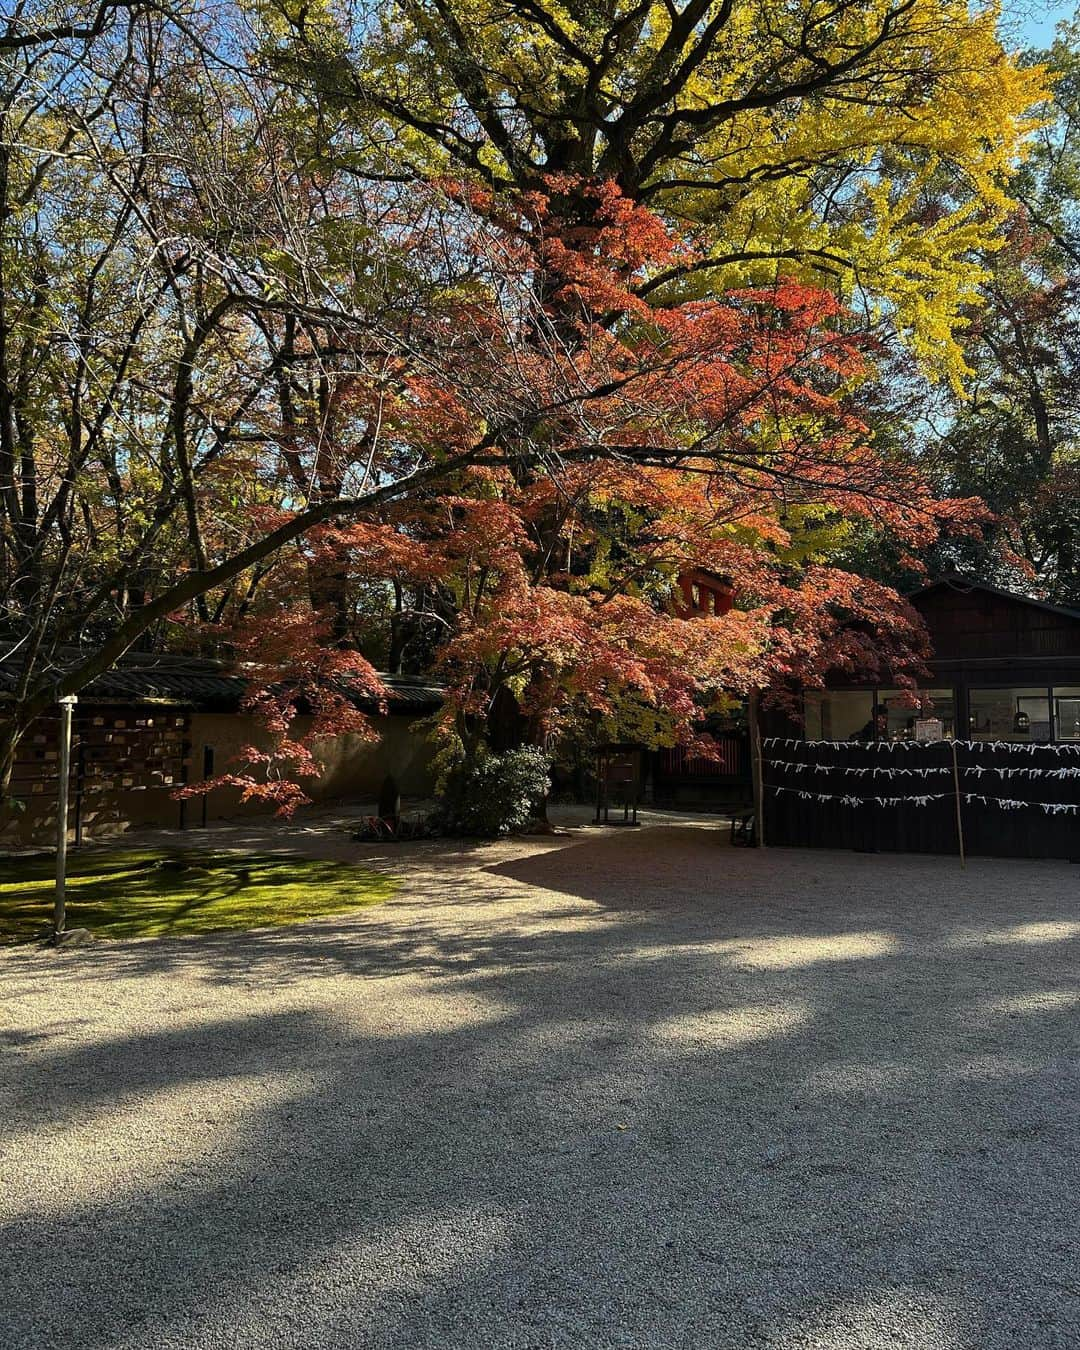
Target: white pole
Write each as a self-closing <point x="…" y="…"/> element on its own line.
<point x="59" y="909"/>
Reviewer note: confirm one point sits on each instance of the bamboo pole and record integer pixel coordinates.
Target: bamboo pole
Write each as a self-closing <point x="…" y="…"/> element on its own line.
<point x="59" y="900"/>
<point x="959" y="814"/>
<point x="756" y="774"/>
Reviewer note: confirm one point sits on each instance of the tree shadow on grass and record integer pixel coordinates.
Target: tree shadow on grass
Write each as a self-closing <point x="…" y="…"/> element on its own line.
<point x="721" y="1125"/>
<point x="123" y="895"/>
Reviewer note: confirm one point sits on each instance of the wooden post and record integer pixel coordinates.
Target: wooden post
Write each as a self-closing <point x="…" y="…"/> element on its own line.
<point x="80" y="785"/>
<point x="959" y="815"/>
<point x="757" y="776"/>
<point x="59" y="903"/>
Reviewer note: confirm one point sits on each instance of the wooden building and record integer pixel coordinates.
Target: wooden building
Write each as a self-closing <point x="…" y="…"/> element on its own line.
<point x="984" y="753"/>
<point x="702" y="592"/>
<point x="157" y="722"/>
<point x="1004" y="668"/>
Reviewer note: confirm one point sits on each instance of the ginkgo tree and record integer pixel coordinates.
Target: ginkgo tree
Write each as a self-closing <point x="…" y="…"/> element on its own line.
<point x="860" y="144"/>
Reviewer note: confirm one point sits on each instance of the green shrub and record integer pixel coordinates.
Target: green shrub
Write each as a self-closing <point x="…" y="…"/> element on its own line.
<point x="497" y="794"/>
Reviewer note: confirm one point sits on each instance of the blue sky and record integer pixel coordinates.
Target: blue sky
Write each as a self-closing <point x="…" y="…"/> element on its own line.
<point x="1030" y="23"/>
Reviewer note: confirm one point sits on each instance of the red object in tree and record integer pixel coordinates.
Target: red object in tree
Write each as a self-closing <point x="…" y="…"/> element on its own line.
<point x="704" y="593"/>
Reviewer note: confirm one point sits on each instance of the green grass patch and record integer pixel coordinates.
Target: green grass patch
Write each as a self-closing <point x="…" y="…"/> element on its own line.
<point x="161" y="893"/>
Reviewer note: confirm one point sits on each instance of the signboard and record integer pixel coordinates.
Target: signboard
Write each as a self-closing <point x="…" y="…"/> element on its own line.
<point x="928" y="729"/>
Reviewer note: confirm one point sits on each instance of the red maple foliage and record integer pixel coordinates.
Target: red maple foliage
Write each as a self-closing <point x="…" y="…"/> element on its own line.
<point x="604" y="436"/>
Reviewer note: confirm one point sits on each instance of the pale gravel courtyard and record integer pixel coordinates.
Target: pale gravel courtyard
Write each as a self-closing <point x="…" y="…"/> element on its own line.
<point x="634" y="1089"/>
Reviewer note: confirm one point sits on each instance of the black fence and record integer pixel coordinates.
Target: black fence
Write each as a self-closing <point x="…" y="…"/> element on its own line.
<point x="1015" y="800"/>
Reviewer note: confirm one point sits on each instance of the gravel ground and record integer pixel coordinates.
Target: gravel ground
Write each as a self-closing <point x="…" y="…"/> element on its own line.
<point x="633" y="1089"/>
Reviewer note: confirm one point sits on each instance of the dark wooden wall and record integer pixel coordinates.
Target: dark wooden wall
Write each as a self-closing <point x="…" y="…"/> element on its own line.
<point x="978" y="624"/>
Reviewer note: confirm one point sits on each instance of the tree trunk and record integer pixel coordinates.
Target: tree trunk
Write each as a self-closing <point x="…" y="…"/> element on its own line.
<point x="10" y="735"/>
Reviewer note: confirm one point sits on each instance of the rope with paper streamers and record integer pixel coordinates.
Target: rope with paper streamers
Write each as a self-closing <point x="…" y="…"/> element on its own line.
<point x="925" y="798"/>
<point x="1004" y="747"/>
<point x="847" y="799"/>
<point x="873" y="773"/>
<point x="977" y="770"/>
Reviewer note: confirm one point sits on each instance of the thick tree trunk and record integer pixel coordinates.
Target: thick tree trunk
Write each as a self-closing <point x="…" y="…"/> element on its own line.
<point x="328" y="588"/>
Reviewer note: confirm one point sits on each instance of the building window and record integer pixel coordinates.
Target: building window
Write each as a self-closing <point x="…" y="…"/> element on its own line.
<point x="840" y="715"/>
<point x="904" y="709"/>
<point x="876" y="714"/>
<point x="1067" y="714"/>
<point x="1021" y="715"/>
<point x="812" y="717"/>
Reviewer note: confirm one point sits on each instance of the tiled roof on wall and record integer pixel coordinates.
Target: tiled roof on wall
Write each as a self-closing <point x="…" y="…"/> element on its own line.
<point x="203" y="685"/>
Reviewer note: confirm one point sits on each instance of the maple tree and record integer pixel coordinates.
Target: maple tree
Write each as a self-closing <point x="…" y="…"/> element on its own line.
<point x="258" y="373"/>
<point x="716" y="433"/>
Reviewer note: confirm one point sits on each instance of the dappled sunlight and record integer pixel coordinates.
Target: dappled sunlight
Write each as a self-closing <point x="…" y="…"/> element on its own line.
<point x="729" y="1028"/>
<point x="904" y="1315"/>
<point x="883" y="1078"/>
<point x="767" y="952"/>
<point x="440" y="1236"/>
<point x="795" y="952"/>
<point x="171" y="1138"/>
<point x="126" y="893"/>
<point x="786" y="1095"/>
<point x="1031" y="933"/>
<point x="974" y="1068"/>
<point x="892" y="1079"/>
<point x="445" y="1248"/>
<point x="419" y="1011"/>
<point x="1036" y="1001"/>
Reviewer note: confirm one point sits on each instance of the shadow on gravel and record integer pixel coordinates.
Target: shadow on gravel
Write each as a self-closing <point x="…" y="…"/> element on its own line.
<point x="775" y="1103"/>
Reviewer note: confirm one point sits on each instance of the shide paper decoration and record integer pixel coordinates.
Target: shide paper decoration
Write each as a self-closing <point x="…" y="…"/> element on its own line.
<point x="925" y="798"/>
<point x="905" y="771"/>
<point x="1004" y="747"/>
<point x="846" y="799"/>
<point x="801" y="766"/>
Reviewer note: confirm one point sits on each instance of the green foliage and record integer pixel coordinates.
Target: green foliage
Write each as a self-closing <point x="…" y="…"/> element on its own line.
<point x="865" y="141"/>
<point x="1010" y="438"/>
<point x="160" y="894"/>
<point x="495" y="794"/>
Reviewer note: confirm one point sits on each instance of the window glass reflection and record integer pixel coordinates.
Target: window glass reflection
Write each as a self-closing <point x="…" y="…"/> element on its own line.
<point x="884" y="714"/>
<point x="1067" y="713"/>
<point x="847" y="715"/>
<point x="912" y="714"/>
<point x="1021" y="715"/>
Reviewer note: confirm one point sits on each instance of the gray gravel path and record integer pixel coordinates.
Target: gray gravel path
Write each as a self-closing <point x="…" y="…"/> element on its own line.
<point x="633" y="1090"/>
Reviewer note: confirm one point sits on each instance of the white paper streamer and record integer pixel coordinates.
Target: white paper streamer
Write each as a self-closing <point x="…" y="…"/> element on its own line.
<point x="1009" y="804"/>
<point x="1009" y="747"/>
<point x="803" y="766"/>
<point x="872" y="773"/>
<point x="846" y="799"/>
<point x="924" y="798"/>
<point x="977" y="770"/>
